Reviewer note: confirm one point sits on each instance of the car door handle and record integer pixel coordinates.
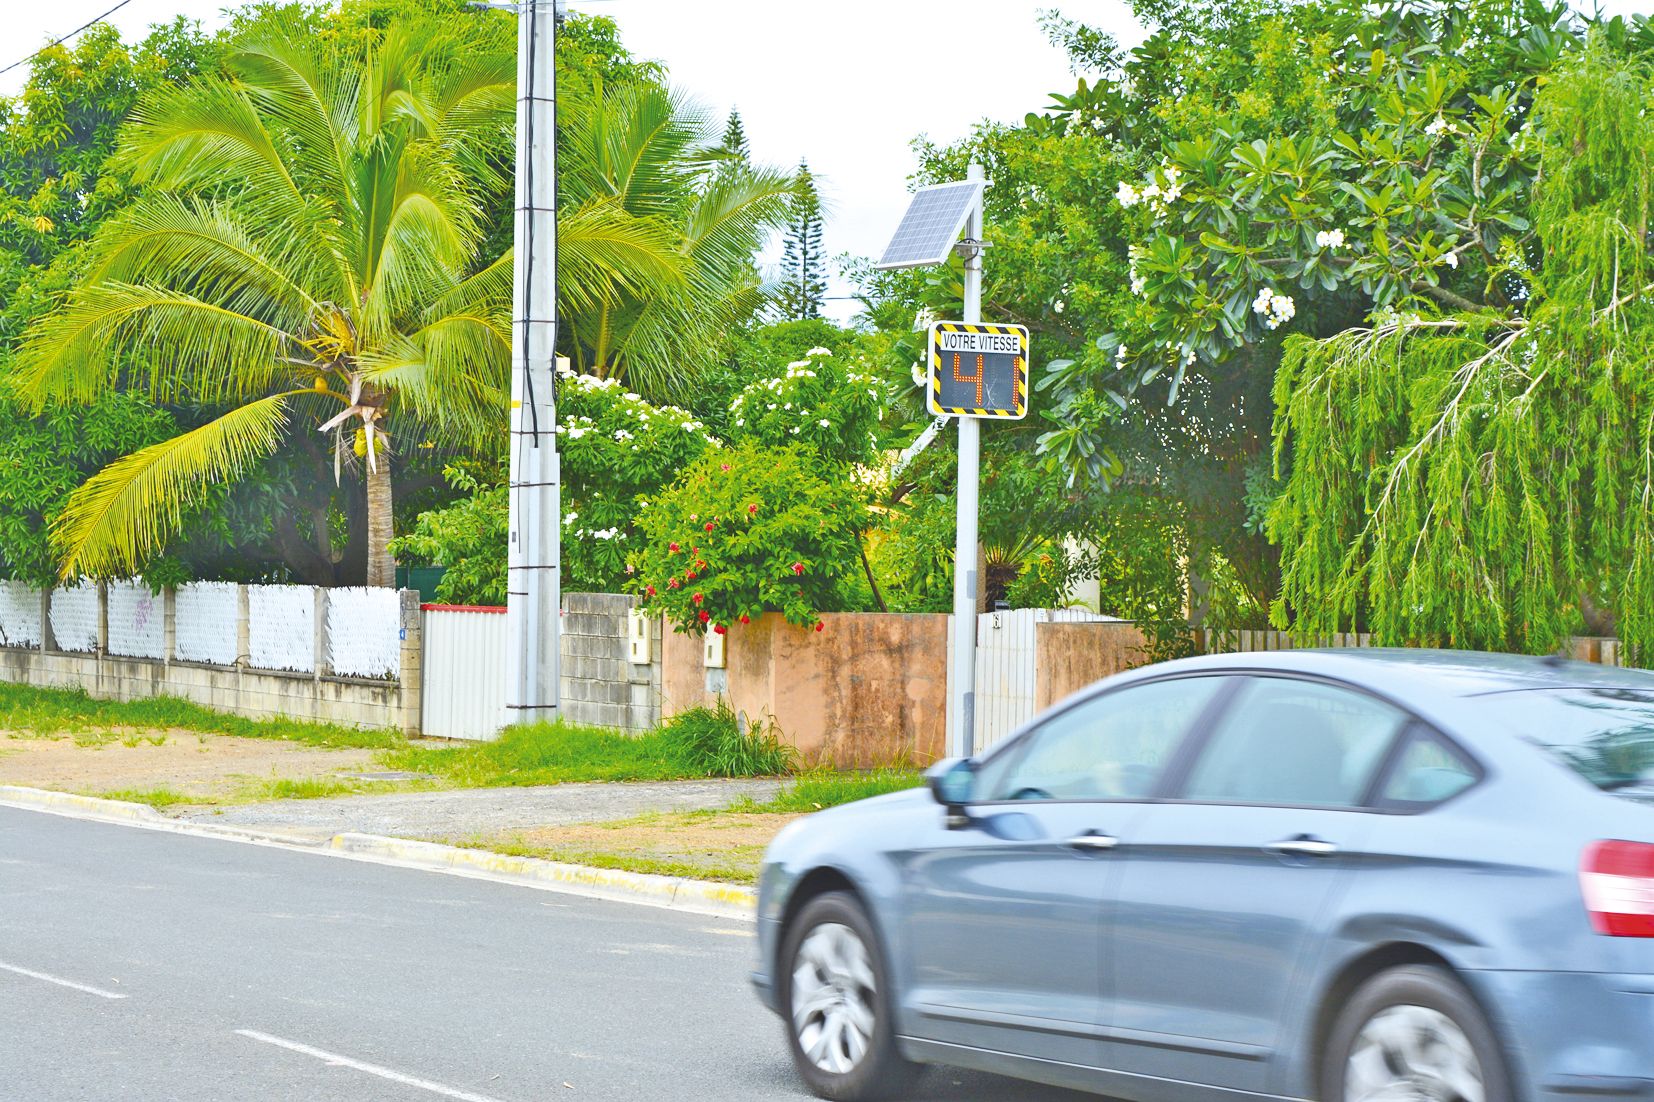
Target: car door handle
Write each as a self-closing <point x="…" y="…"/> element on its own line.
<point x="1093" y="842"/>
<point x="1301" y="846"/>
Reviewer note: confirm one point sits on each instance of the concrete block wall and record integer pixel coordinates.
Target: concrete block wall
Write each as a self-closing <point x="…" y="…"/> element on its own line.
<point x="601" y="685"/>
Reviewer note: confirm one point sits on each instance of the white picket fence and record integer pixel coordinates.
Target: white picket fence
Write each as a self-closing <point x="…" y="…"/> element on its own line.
<point x="1006" y="666"/>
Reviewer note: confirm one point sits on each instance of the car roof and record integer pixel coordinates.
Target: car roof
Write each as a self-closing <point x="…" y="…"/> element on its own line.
<point x="1416" y="674"/>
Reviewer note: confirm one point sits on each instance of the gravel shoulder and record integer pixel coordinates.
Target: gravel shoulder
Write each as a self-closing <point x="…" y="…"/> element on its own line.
<point x="471" y="813"/>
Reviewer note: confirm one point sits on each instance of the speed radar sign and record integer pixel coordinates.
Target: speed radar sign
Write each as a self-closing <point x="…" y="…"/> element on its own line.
<point x="978" y="370"/>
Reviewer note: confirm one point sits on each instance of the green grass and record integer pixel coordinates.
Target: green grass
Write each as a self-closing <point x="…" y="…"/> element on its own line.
<point x="822" y="788"/>
<point x="45" y="712"/>
<point x="623" y="862"/>
<point x="307" y="789"/>
<point x="702" y="743"/>
<point x="154" y="797"/>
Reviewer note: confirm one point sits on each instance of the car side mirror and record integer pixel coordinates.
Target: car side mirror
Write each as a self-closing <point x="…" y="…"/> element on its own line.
<point x="952" y="784"/>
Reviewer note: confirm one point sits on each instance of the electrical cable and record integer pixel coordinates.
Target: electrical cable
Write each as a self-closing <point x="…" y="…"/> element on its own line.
<point x="65" y="38"/>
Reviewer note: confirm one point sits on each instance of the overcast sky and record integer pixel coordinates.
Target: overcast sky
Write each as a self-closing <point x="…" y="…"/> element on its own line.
<point x="846" y="85"/>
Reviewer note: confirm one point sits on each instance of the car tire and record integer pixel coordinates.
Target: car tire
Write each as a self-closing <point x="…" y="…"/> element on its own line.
<point x="835" y="1002"/>
<point x="1414" y="1025"/>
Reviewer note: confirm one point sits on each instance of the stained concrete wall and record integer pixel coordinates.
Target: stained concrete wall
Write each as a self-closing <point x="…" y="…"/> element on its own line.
<point x="868" y="689"/>
<point x="601" y="685"/>
<point x="1070" y="656"/>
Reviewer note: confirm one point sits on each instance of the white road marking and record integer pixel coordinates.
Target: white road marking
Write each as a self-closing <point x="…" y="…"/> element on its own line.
<point x="61" y="982"/>
<point x="336" y="1060"/>
<point x="727" y="933"/>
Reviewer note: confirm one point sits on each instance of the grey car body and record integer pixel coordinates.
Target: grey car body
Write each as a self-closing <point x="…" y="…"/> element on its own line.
<point x="1188" y="959"/>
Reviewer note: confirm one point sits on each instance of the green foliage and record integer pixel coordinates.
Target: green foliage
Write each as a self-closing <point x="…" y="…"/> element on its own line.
<point x="823" y="788"/>
<point x="825" y="404"/>
<point x="1483" y="478"/>
<point x="467" y="537"/>
<point x="746" y="530"/>
<point x="711" y="740"/>
<point x="563" y="753"/>
<point x="803" y="264"/>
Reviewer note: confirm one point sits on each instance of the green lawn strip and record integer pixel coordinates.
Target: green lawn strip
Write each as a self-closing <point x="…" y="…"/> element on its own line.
<point x="699" y="744"/>
<point x="745" y="874"/>
<point x="157" y="798"/>
<point x="41" y="712"/>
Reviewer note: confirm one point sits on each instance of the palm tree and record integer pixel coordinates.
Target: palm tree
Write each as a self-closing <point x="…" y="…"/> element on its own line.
<point x="304" y="255"/>
<point x="643" y="153"/>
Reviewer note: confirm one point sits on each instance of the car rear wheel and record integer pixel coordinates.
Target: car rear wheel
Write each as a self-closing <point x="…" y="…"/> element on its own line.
<point x="836" y="1004"/>
<point x="1413" y="1034"/>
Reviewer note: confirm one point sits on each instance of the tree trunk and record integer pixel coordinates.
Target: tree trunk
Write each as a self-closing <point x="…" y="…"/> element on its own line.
<point x="381" y="567"/>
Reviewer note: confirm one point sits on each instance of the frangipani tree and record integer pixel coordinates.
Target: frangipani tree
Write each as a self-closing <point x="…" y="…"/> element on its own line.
<point x="306" y="253"/>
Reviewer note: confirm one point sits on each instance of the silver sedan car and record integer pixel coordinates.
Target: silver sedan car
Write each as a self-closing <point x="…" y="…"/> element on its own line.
<point x="1354" y="876"/>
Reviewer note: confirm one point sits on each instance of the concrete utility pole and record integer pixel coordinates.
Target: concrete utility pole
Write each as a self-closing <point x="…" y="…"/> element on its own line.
<point x="533" y="577"/>
<point x="962" y="682"/>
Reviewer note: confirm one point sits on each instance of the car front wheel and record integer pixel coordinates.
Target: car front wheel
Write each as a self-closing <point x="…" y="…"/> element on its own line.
<point x="1413" y="1034"/>
<point x="836" y="999"/>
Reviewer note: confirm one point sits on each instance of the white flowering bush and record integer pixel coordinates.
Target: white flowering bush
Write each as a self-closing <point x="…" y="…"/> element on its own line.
<point x="617" y="451"/>
<point x="828" y="407"/>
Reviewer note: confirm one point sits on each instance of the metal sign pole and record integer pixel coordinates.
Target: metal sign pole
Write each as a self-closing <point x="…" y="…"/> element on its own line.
<point x="962" y="683"/>
<point x="533" y="589"/>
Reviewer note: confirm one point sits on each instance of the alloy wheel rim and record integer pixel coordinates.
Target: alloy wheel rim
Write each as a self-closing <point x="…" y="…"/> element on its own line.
<point x="832" y="998"/>
<point x="1412" y="1054"/>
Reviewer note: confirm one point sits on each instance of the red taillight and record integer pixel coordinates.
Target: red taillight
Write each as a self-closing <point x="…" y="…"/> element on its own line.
<point x="1618" y="881"/>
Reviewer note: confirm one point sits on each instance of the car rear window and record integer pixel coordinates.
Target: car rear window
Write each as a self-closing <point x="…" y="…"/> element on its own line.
<point x="1606" y="735"/>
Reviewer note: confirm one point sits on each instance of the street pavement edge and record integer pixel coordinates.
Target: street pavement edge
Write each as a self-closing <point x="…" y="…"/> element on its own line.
<point x="676" y="893"/>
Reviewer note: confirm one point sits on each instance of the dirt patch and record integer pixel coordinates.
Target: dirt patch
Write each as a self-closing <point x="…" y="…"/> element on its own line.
<point x="205" y="768"/>
<point x="719" y="845"/>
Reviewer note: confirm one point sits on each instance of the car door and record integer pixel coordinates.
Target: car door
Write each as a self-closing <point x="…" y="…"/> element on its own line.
<point x="1003" y="912"/>
<point x="1223" y="887"/>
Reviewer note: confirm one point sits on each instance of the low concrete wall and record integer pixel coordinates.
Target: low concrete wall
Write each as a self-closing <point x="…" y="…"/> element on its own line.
<point x="239" y="689"/>
<point x="868" y="689"/>
<point x="1068" y="657"/>
<point x="601" y="685"/>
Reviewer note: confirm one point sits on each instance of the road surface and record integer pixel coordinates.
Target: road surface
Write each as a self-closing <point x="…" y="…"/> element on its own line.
<point x="137" y="964"/>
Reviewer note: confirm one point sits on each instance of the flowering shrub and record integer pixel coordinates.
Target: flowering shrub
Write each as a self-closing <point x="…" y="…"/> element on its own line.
<point x="747" y="530"/>
<point x="822" y="402"/>
<point x="615" y="449"/>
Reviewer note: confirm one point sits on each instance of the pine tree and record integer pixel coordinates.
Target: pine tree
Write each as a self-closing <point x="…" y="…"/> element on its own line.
<point x="734" y="150"/>
<point x="803" y="264"/>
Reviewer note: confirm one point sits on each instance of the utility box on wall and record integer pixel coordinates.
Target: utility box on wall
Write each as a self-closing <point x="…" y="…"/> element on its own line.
<point x="637" y="638"/>
<point x="714" y="651"/>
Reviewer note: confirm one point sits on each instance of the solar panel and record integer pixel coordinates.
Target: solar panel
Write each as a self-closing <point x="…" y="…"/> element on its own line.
<point x="931" y="225"/>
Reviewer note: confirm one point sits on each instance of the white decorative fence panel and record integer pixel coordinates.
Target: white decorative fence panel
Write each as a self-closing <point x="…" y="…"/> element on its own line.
<point x="281" y="627"/>
<point x="465" y="655"/>
<point x="137" y="621"/>
<point x="19" y="615"/>
<point x="364" y="632"/>
<point x="1006" y="666"/>
<point x="75" y="618"/>
<point x="205" y="615"/>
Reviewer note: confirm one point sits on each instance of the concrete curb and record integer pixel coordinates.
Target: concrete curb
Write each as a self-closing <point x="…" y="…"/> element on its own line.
<point x="705" y="896"/>
<point x="676" y="893"/>
<point x="93" y="807"/>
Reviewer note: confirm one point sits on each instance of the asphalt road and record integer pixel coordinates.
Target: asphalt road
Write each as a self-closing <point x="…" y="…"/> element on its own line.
<point x="137" y="964"/>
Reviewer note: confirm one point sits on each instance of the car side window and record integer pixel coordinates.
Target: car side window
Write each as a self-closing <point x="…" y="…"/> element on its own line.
<point x="1294" y="743"/>
<point x="1426" y="772"/>
<point x="1112" y="747"/>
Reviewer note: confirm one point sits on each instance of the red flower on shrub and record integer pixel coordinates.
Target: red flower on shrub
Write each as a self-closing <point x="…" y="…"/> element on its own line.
<point x="673" y="584"/>
<point x="672" y="547"/>
<point x="649" y="589"/>
<point x="709" y="526"/>
<point x="798" y="568"/>
<point x="745" y="619"/>
<point x="719" y="628"/>
<point x="698" y="598"/>
<point x="723" y="466"/>
<point x="689" y="575"/>
<point x="753" y="508"/>
<point x="705" y="615"/>
<point x="700" y="564"/>
<point x="820" y="626"/>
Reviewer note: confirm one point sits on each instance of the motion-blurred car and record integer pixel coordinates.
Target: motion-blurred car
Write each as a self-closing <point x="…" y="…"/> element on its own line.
<point x="1361" y="876"/>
